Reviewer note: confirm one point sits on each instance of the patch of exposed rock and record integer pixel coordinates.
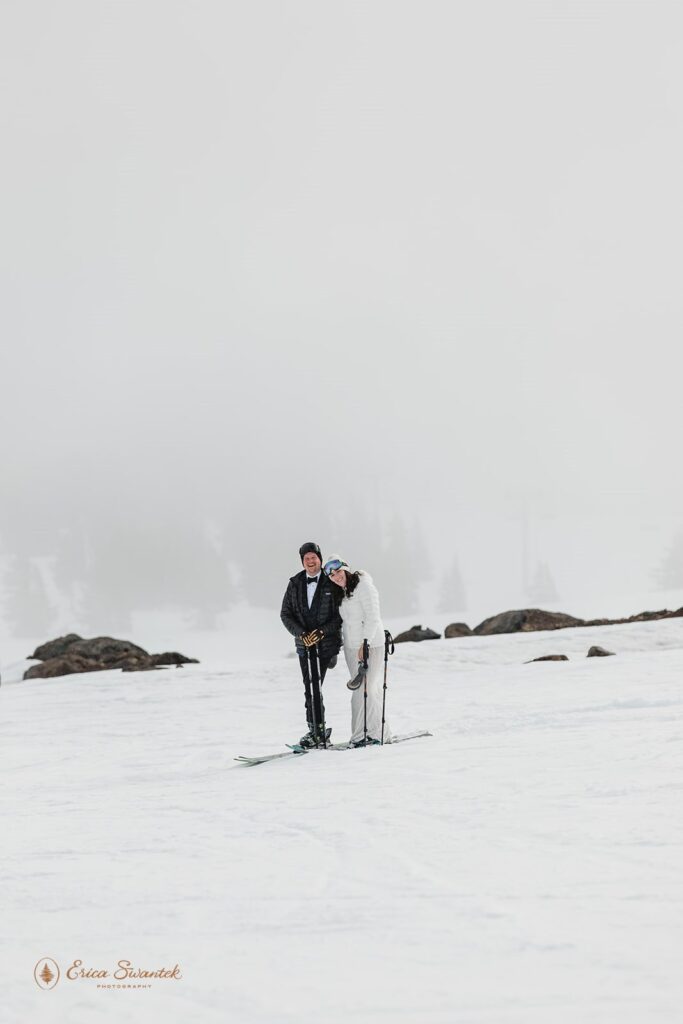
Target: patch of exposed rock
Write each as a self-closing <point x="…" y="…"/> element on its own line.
<point x="456" y="629"/>
<point x="526" y="620"/>
<point x="640" y="617"/>
<point x="599" y="652"/>
<point x="55" y="648"/>
<point x="415" y="634"/>
<point x="548" y="657"/>
<point x="70" y="654"/>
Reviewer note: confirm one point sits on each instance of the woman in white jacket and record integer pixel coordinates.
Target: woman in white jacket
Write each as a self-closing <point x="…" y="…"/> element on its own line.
<point x="361" y="620"/>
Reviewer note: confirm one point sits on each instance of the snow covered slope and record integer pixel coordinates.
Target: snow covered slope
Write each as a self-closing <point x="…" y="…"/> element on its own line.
<point x="523" y="865"/>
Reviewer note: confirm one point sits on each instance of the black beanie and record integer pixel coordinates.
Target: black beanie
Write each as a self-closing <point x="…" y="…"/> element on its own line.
<point x="310" y="546"/>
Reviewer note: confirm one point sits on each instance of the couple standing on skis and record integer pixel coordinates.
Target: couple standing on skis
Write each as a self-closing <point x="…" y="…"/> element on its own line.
<point x="322" y="603"/>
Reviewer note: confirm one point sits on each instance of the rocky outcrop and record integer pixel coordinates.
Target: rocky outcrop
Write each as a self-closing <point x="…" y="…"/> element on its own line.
<point x="641" y="617"/>
<point x="415" y="634"/>
<point x="548" y="657"/>
<point x="457" y="629"/>
<point x="55" y="648"/>
<point x="526" y="620"/>
<point x="104" y="649"/>
<point x="62" y="666"/>
<point x="599" y="652"/>
<point x="174" y="658"/>
<point x="70" y="654"/>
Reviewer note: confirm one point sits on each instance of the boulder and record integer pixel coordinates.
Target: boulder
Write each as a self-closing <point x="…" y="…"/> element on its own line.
<point x="526" y="620"/>
<point x="173" y="658"/>
<point x="55" y="648"/>
<point x="415" y="634"/>
<point x="106" y="649"/>
<point x="640" y="617"/>
<point x="70" y="654"/>
<point x="599" y="652"/>
<point x="135" y="663"/>
<point x="548" y="657"/>
<point x="64" y="666"/>
<point x="457" y="629"/>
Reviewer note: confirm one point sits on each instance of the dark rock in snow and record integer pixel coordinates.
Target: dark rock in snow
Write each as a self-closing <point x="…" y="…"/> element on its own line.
<point x="173" y="658"/>
<point x="526" y="620"/>
<point x="71" y="654"/>
<point x="599" y="652"/>
<point x="548" y="657"/>
<point x="640" y="617"/>
<point x="415" y="634"/>
<point x="64" y="666"/>
<point x="456" y="629"/>
<point x="135" y="663"/>
<point x="55" y="648"/>
<point x="106" y="649"/>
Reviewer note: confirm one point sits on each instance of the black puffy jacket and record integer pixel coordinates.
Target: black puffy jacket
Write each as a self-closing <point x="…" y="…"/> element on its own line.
<point x="323" y="614"/>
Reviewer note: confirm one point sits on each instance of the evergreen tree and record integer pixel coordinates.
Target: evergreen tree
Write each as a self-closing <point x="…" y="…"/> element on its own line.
<point x="669" y="575"/>
<point x="452" y="593"/>
<point x="46" y="974"/>
<point x="145" y="566"/>
<point x="400" y="571"/>
<point x="71" y="567"/>
<point x="27" y="609"/>
<point x="542" y="589"/>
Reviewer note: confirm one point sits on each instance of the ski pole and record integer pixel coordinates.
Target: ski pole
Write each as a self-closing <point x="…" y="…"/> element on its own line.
<point x="314" y="720"/>
<point x="320" y="694"/>
<point x="366" y="658"/>
<point x="388" y="640"/>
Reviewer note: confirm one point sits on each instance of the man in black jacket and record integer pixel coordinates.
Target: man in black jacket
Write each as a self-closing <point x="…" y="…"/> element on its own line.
<point x="310" y="613"/>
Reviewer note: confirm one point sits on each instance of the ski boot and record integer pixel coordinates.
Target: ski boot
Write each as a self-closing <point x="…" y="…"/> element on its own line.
<point x="310" y="740"/>
<point x="363" y="743"/>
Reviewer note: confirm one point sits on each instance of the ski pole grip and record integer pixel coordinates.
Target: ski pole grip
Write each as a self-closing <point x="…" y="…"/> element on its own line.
<point x="366" y="653"/>
<point x="388" y="642"/>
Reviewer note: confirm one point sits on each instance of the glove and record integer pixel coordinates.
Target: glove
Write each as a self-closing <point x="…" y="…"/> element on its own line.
<point x="357" y="681"/>
<point x="312" y="638"/>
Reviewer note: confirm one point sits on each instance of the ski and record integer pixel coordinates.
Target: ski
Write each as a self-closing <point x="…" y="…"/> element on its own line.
<point x="292" y="752"/>
<point x="396" y="739"/>
<point x="295" y="750"/>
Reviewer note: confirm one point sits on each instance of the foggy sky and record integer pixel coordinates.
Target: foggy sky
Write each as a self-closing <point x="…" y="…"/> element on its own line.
<point x="268" y="264"/>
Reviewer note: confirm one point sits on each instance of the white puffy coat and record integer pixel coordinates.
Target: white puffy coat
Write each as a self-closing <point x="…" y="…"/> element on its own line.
<point x="361" y="616"/>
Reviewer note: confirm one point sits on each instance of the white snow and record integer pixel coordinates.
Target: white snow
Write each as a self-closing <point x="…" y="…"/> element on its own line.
<point x="523" y="865"/>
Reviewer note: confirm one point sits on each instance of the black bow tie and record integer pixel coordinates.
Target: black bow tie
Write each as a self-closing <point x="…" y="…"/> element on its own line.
<point x="312" y="579"/>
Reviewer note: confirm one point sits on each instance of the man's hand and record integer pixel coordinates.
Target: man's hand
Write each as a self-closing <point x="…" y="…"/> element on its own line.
<point x="312" y="638"/>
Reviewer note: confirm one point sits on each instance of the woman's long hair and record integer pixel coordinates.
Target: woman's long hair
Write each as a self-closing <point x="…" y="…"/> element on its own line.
<point x="352" y="581"/>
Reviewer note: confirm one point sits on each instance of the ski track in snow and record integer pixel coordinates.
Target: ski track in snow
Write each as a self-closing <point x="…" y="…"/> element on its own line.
<point x="522" y="865"/>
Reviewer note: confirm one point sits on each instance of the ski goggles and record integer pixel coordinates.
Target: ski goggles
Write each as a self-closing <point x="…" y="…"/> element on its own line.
<point x="334" y="566"/>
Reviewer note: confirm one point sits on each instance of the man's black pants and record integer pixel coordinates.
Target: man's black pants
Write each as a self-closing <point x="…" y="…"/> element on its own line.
<point x="313" y="681"/>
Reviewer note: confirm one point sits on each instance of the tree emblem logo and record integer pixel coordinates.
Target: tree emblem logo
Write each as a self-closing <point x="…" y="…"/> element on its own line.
<point x="46" y="972"/>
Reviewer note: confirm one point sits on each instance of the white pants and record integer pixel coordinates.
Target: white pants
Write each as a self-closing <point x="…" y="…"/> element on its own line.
<point x="375" y="687"/>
